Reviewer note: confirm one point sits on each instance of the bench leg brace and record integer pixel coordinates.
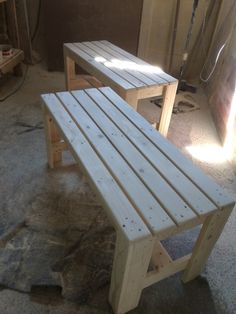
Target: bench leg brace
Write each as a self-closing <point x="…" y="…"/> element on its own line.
<point x="209" y="234"/>
<point x="130" y="267"/>
<point x="52" y="138"/>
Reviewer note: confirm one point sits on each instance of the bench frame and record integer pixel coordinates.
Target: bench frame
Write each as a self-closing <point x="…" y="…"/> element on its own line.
<point x="167" y="91"/>
<point x="131" y="272"/>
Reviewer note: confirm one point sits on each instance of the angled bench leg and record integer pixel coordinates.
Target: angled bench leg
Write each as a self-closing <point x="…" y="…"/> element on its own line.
<point x="130" y="267"/>
<point x="69" y="65"/>
<point x="207" y="238"/>
<point x="168" y="104"/>
<point x="52" y="139"/>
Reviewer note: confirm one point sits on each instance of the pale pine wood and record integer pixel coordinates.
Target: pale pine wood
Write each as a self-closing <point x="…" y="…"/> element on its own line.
<point x="151" y="212"/>
<point x="69" y="66"/>
<point x="167" y="271"/>
<point x="160" y="257"/>
<point x="129" y="270"/>
<point x="176" y="208"/>
<point x="167" y="107"/>
<point x="118" y="151"/>
<point x="208" y="187"/>
<point x="138" y="82"/>
<point x="118" y="208"/>
<point x="160" y="75"/>
<point x="52" y="141"/>
<point x="95" y="51"/>
<point x="210" y="232"/>
<point x="132" y="99"/>
<point x="145" y="28"/>
<point x="116" y="55"/>
<point x="175" y="178"/>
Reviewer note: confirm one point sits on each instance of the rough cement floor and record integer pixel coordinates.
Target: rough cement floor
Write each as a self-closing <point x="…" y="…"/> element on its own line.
<point x="56" y="207"/>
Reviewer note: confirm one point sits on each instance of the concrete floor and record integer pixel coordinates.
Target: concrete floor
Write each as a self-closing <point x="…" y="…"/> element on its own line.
<point x="47" y="211"/>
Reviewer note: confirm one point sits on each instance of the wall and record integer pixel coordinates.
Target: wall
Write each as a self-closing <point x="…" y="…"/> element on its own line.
<point x="221" y="86"/>
<point x="157" y="31"/>
<point x="73" y="20"/>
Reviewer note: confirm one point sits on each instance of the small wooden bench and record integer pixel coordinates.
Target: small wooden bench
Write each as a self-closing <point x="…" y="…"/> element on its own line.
<point x="129" y="76"/>
<point x="149" y="190"/>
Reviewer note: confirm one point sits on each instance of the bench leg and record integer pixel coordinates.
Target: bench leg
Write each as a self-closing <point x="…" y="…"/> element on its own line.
<point x="208" y="236"/>
<point x="130" y="267"/>
<point x="69" y="71"/>
<point x="52" y="138"/>
<point x="168" y="104"/>
<point x="132" y="99"/>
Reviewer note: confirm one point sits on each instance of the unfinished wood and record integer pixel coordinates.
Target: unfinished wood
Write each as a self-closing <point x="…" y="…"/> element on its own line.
<point x="118" y="159"/>
<point x="147" y="206"/>
<point x="1" y="1"/>
<point x="210" y="232"/>
<point x="189" y="192"/>
<point x="158" y="72"/>
<point x="69" y="67"/>
<point x="167" y="271"/>
<point x="142" y="66"/>
<point x="129" y="76"/>
<point x="95" y="52"/>
<point x="175" y="208"/>
<point x="95" y="68"/>
<point x="167" y="108"/>
<point x="9" y="63"/>
<point x="116" y="204"/>
<point x="145" y="28"/>
<point x="132" y="99"/>
<point x="53" y="141"/>
<point x="160" y="257"/>
<point x="135" y="72"/>
<point x="59" y="147"/>
<point x="129" y="270"/>
<point x="150" y="92"/>
<point x="207" y="186"/>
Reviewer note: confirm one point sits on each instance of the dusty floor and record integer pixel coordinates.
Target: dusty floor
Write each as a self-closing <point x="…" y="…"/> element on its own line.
<point x="44" y="213"/>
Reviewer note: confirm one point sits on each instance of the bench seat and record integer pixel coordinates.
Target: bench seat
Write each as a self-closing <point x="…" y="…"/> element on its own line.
<point x="149" y="190"/>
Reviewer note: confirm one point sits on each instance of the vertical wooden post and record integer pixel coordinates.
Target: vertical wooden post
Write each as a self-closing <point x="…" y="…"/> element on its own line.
<point x="69" y="65"/>
<point x="52" y="137"/>
<point x="132" y="99"/>
<point x="208" y="236"/>
<point x="130" y="267"/>
<point x="167" y="107"/>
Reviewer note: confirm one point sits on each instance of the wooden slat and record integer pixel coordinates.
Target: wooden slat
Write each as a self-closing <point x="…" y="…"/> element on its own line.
<point x="162" y="75"/>
<point x="118" y="208"/>
<point x="95" y="51"/>
<point x="175" y="178"/>
<point x="98" y="70"/>
<point x="147" y="206"/>
<point x="173" y="204"/>
<point x="204" y="183"/>
<point x="116" y="55"/>
<point x="129" y="57"/>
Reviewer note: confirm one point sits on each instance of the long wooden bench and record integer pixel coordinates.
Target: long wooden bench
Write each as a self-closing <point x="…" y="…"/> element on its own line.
<point x="149" y="190"/>
<point x="131" y="77"/>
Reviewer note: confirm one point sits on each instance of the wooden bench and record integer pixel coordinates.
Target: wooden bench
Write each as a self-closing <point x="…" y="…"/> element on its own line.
<point x="149" y="190"/>
<point x="129" y="76"/>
